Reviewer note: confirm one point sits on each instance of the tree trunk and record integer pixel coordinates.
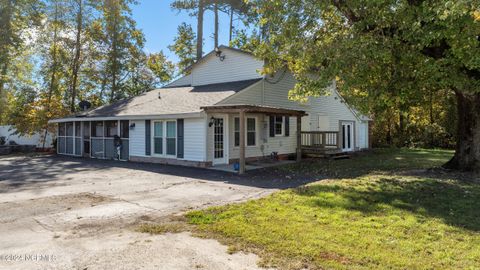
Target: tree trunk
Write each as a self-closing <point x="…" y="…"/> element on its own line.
<point x="215" y="11"/>
<point x="53" y="79"/>
<point x="467" y="152"/>
<point x="201" y="10"/>
<point x="76" y="60"/>
<point x="230" y="34"/>
<point x="3" y="76"/>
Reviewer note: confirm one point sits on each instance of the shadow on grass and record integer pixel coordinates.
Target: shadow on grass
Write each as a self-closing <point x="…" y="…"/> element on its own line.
<point x="454" y="202"/>
<point x="378" y="160"/>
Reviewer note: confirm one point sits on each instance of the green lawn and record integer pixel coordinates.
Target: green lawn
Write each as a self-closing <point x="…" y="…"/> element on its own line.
<point x="367" y="215"/>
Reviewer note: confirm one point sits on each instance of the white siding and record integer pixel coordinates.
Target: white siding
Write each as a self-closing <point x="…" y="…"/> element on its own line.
<point x="362" y="138"/>
<point x="274" y="93"/>
<point x="35" y="139"/>
<point x="195" y="131"/>
<point x="324" y="113"/>
<point x="137" y="138"/>
<point x="182" y="81"/>
<point x="236" y="66"/>
<point x="265" y="144"/>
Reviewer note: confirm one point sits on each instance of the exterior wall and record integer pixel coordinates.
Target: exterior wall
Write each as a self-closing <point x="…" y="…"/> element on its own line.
<point x="362" y="138"/>
<point x="274" y="92"/>
<point x="194" y="142"/>
<point x="236" y="66"/>
<point x="137" y="138"/>
<point x="265" y="144"/>
<point x="36" y="139"/>
<point x="182" y="81"/>
<point x="170" y="161"/>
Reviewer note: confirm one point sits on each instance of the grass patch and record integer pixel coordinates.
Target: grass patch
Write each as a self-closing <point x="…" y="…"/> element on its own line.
<point x="162" y="228"/>
<point x="374" y="220"/>
<point x="379" y="160"/>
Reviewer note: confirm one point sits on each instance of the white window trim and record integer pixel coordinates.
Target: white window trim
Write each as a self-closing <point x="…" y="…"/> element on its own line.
<point x="283" y="126"/>
<point x="246" y="132"/>
<point x="164" y="138"/>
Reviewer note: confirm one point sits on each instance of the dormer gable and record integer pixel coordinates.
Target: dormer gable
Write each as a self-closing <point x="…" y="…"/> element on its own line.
<point x="222" y="65"/>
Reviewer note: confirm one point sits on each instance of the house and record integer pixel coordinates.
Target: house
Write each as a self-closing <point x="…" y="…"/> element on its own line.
<point x="223" y="112"/>
<point x="39" y="139"/>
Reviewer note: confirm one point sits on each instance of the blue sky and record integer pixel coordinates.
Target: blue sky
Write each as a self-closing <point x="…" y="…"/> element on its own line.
<point x="159" y="24"/>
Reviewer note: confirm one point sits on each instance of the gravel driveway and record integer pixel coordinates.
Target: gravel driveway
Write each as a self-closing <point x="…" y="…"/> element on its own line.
<point x="68" y="213"/>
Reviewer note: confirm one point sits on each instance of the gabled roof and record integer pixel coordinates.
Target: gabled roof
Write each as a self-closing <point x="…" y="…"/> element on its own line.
<point x="221" y="47"/>
<point x="174" y="100"/>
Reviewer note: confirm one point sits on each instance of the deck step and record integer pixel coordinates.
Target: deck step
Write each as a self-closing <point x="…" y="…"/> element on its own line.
<point x="346" y="156"/>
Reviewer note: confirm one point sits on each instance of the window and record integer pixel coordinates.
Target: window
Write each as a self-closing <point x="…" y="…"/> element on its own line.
<point x="111" y="128"/>
<point x="251" y="132"/>
<point x="171" y="138"/>
<point x="124" y="129"/>
<point x="158" y="138"/>
<point x="97" y="129"/>
<point x="279" y="125"/>
<point x="237" y="132"/>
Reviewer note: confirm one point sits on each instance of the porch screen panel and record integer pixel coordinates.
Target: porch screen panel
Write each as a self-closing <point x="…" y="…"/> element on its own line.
<point x="110" y="150"/>
<point x="78" y="146"/>
<point x="69" y="149"/>
<point x="78" y="139"/>
<point x="97" y="148"/>
<point x="61" y="145"/>
<point x="124" y="155"/>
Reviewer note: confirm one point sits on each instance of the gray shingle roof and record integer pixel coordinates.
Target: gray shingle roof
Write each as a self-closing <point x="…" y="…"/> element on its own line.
<point x="175" y="100"/>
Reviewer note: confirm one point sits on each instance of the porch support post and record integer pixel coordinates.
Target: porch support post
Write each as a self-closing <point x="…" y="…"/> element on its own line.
<point x="242" y="142"/>
<point x="299" y="138"/>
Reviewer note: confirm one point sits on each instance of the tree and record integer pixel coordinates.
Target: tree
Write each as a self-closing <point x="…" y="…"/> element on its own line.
<point x="161" y="67"/>
<point x="16" y="19"/>
<point x="184" y="46"/>
<point x="121" y="40"/>
<point x="388" y="50"/>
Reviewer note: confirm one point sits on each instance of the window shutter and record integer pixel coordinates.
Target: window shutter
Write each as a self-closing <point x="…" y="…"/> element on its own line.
<point x="148" y="140"/>
<point x="180" y="138"/>
<point x="287" y="126"/>
<point x="272" y="126"/>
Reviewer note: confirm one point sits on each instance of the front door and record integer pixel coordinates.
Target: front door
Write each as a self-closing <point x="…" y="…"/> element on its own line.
<point x="219" y="144"/>
<point x="347" y="136"/>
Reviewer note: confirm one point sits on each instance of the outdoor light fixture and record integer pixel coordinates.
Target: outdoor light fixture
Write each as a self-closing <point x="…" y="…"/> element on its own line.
<point x="212" y="120"/>
<point x="132" y="126"/>
<point x="218" y="53"/>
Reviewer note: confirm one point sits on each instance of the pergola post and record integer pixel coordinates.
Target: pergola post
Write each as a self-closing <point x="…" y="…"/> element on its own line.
<point x="299" y="138"/>
<point x="242" y="142"/>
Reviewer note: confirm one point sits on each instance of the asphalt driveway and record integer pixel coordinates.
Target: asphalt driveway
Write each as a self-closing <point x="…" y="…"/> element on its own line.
<point x="72" y="213"/>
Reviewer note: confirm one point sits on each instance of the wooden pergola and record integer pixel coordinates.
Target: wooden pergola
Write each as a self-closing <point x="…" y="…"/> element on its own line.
<point x="242" y="110"/>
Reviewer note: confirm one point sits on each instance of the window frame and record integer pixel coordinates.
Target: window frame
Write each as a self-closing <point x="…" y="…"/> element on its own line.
<point x="164" y="138"/>
<point x="235" y="131"/>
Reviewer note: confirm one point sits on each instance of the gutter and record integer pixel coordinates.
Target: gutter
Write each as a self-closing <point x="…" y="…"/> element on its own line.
<point x="128" y="117"/>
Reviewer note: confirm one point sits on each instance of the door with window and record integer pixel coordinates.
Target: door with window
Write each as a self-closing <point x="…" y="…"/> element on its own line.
<point x="219" y="141"/>
<point x="347" y="139"/>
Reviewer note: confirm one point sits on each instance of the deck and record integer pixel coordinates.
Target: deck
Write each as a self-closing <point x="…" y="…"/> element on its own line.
<point x="321" y="143"/>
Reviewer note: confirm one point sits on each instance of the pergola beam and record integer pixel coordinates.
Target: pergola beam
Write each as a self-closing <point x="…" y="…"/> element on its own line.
<point x="252" y="109"/>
